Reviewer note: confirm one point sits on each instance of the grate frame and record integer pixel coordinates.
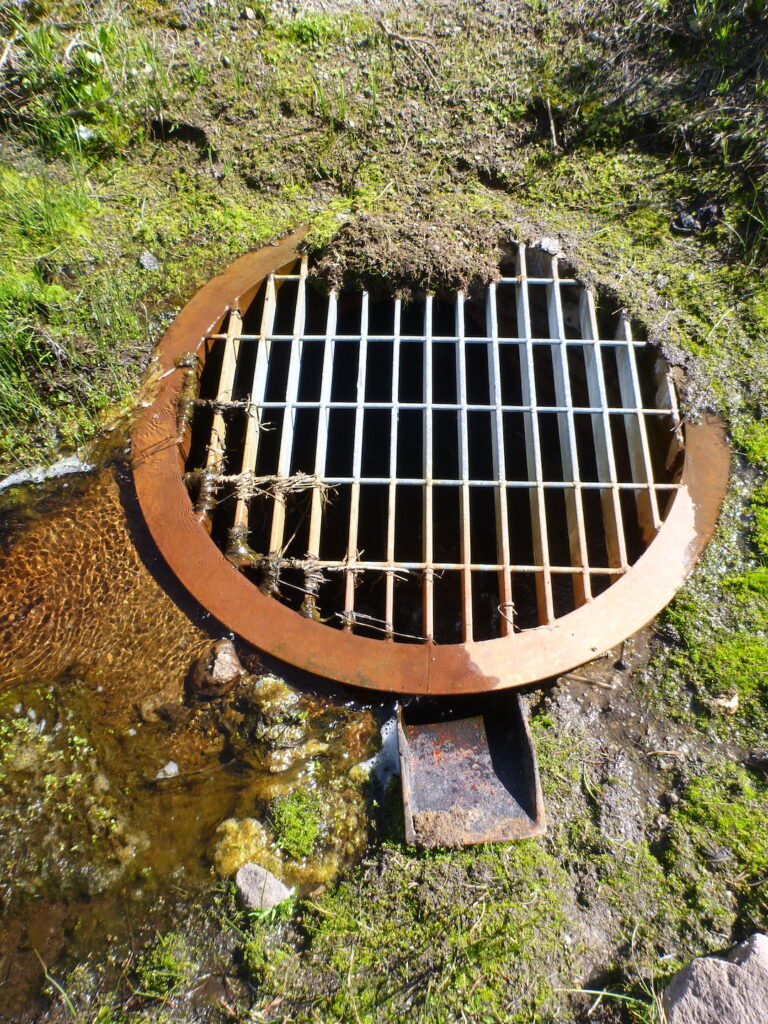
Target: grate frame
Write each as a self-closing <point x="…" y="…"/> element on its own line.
<point x="640" y="590"/>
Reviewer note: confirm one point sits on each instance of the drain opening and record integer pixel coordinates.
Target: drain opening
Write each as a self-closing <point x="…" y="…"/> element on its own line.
<point x="457" y="469"/>
<point x="463" y="493"/>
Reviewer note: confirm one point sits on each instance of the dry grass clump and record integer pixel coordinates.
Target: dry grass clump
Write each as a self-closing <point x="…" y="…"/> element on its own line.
<point x="401" y="255"/>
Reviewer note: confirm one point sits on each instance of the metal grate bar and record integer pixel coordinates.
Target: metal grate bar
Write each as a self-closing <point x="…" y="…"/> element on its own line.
<point x="357" y="459"/>
<point x="637" y="435"/>
<point x="562" y="570"/>
<point x="465" y="543"/>
<point x="562" y="485"/>
<point x="321" y="446"/>
<point x="441" y="339"/>
<point x="277" y="536"/>
<point x="428" y="583"/>
<point x="258" y="391"/>
<point x="666" y="399"/>
<point x="218" y="440"/>
<point x="389" y="598"/>
<point x="574" y="509"/>
<point x="601" y="429"/>
<point x="544" y="600"/>
<point x="473" y="408"/>
<point x="499" y="462"/>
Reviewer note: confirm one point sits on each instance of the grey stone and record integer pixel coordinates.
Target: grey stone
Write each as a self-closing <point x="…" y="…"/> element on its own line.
<point x="752" y="956"/>
<point x="216" y="672"/>
<point x="168" y="771"/>
<point x="711" y="991"/>
<point x="148" y="261"/>
<point x="259" y="889"/>
<point x="550" y="245"/>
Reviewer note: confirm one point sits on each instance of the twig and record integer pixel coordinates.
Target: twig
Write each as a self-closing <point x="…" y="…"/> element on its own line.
<point x="52" y="981"/>
<point x="588" y="682"/>
<point x="552" y="131"/>
<point x="8" y="47"/>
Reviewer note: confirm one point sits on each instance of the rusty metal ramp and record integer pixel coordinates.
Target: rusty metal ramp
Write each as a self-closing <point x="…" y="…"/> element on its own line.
<point x="469" y="773"/>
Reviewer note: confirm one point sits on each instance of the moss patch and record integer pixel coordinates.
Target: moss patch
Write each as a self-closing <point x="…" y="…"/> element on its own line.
<point x="418" y="935"/>
<point x="296" y="820"/>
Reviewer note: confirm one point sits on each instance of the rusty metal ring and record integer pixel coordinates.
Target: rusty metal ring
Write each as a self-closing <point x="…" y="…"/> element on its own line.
<point x="513" y="660"/>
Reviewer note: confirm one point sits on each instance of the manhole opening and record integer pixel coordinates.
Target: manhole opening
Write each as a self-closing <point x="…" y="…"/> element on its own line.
<point x="458" y="468"/>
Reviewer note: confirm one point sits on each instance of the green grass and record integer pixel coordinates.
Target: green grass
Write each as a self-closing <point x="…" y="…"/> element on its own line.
<point x="86" y="95"/>
<point x="166" y="967"/>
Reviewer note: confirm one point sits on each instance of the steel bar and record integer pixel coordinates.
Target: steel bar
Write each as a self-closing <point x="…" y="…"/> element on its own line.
<point x="495" y="567"/>
<point x="473" y="407"/>
<point x="610" y="500"/>
<point x="357" y="459"/>
<point x="511" y="280"/>
<point x="637" y="435"/>
<point x="443" y="339"/>
<point x="277" y="535"/>
<point x="428" y="528"/>
<point x="321" y="445"/>
<point x="218" y="439"/>
<point x="533" y="455"/>
<point x="562" y="485"/>
<point x="574" y="509"/>
<point x="666" y="398"/>
<point x="506" y="620"/>
<point x="465" y="537"/>
<point x="389" y="598"/>
<point x="258" y="391"/>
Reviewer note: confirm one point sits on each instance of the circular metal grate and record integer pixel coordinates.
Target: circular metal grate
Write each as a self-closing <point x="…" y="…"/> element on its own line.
<point x="475" y="491"/>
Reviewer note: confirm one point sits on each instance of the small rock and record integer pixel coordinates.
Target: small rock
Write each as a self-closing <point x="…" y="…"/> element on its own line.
<point x="717" y="856"/>
<point x="757" y="760"/>
<point x="712" y="991"/>
<point x="174" y="714"/>
<point x="216" y="672"/>
<point x="148" y="707"/>
<point x="550" y="245"/>
<point x="702" y="216"/>
<point x="248" y="14"/>
<point x="752" y="955"/>
<point x="147" y="261"/>
<point x="259" y="889"/>
<point x="169" y="771"/>
<point x="729" y="704"/>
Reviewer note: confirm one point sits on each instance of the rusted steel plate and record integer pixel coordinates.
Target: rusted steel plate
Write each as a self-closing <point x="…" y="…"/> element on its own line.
<point x="512" y="660"/>
<point x="470" y="780"/>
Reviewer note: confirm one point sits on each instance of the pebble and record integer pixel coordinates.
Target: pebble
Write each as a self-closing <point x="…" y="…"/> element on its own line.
<point x="259" y="889"/>
<point x="169" y="771"/>
<point x="148" y="261"/>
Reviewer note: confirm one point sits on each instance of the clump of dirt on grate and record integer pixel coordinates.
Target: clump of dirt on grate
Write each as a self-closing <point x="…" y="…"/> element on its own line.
<point x="402" y="255"/>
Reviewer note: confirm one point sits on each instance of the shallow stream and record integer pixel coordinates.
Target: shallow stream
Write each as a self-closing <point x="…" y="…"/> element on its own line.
<point x="115" y="782"/>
